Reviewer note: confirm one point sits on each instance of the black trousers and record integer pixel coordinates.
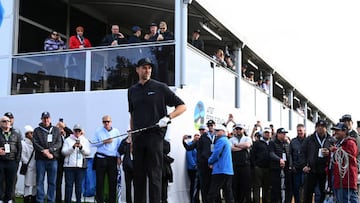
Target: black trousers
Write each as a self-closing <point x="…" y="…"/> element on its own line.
<point x="106" y="166"/>
<point x="129" y="177"/>
<point x="194" y="186"/>
<point x="8" y="174"/>
<point x="148" y="161"/>
<point x="310" y="182"/>
<point x="241" y="184"/>
<point x="276" y="190"/>
<point x="224" y="182"/>
<point x="59" y="177"/>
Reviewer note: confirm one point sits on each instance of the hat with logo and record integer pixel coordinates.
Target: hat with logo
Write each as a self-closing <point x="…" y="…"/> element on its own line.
<point x="281" y="130"/>
<point x="202" y="127"/>
<point x="77" y="127"/>
<point x="321" y="123"/>
<point x="220" y="127"/>
<point x="145" y="61"/>
<point x="45" y="114"/>
<point x="210" y="122"/>
<point x="346" y="117"/>
<point x="267" y="129"/>
<point x="340" y="126"/>
<point x="136" y="28"/>
<point x="9" y="115"/>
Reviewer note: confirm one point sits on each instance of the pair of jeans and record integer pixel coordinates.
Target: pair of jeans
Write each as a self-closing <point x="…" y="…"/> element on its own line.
<point x="49" y="167"/>
<point x="73" y="175"/>
<point x="346" y="195"/>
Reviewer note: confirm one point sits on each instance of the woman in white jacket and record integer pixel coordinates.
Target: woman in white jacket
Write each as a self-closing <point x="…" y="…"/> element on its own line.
<point x="30" y="176"/>
<point x="76" y="147"/>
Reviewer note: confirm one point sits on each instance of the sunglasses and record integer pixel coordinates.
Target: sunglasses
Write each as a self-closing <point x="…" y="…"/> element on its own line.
<point x="5" y="121"/>
<point x="56" y="34"/>
<point x="106" y="121"/>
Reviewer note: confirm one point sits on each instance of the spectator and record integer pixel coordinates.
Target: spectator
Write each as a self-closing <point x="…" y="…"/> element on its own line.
<point x="78" y="41"/>
<point x="106" y="159"/>
<point x="345" y="179"/>
<point x="10" y="155"/>
<point x="167" y="173"/>
<point x="259" y="82"/>
<point x="12" y="120"/>
<point x="54" y="42"/>
<point x="297" y="163"/>
<point x="164" y="33"/>
<point x="260" y="160"/>
<point x="266" y="85"/>
<point x="220" y="57"/>
<point x="126" y="150"/>
<point x="222" y="169"/>
<point x="240" y="147"/>
<point x="280" y="160"/>
<point x="27" y="157"/>
<point x="115" y="38"/>
<point x="64" y="132"/>
<point x="191" y="165"/>
<point x="196" y="41"/>
<point x="148" y="145"/>
<point x="135" y="37"/>
<point x="76" y="148"/>
<point x="153" y="35"/>
<point x="251" y="77"/>
<point x="315" y="152"/>
<point x="47" y="144"/>
<point x="243" y="70"/>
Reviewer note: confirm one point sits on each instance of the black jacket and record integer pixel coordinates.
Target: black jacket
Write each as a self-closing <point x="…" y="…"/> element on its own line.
<point x="40" y="141"/>
<point x="295" y="152"/>
<point x="124" y="149"/>
<point x="15" y="145"/>
<point x="259" y="154"/>
<point x="203" y="148"/>
<point x="310" y="150"/>
<point x="277" y="148"/>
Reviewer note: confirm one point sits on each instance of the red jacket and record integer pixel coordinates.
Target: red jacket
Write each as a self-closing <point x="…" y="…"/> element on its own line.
<point x="74" y="42"/>
<point x="350" y="178"/>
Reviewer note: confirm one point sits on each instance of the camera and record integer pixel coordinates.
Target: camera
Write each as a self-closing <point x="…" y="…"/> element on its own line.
<point x="189" y="136"/>
<point x="61" y="119"/>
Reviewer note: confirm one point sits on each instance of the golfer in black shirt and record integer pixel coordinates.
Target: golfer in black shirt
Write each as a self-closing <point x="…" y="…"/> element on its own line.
<point x="148" y="100"/>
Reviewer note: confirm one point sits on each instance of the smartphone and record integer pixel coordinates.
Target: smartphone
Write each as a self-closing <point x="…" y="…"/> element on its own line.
<point x="61" y="119"/>
<point x="77" y="141"/>
<point x="189" y="136"/>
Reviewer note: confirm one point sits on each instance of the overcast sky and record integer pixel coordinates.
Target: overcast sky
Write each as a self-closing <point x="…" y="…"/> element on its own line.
<point x="313" y="44"/>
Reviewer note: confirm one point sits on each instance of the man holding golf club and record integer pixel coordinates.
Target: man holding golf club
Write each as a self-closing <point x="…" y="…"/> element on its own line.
<point x="148" y="100"/>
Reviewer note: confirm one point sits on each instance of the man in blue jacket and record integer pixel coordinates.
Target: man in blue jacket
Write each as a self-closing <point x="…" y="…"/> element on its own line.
<point x="222" y="168"/>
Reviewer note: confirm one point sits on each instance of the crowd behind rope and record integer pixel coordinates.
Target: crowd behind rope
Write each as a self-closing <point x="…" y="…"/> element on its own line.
<point x="232" y="165"/>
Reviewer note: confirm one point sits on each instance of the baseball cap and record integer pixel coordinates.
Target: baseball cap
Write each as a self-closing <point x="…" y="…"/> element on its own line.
<point x="281" y="130"/>
<point x="153" y="24"/>
<point x="202" y="127"/>
<point x="136" y="28"/>
<point x="9" y="115"/>
<point x="77" y="127"/>
<point x="239" y="126"/>
<point x="340" y="126"/>
<point x="220" y="127"/>
<point x="145" y="61"/>
<point x="267" y="129"/>
<point x="45" y="114"/>
<point x="210" y="122"/>
<point x="346" y="117"/>
<point x="321" y="123"/>
<point x="197" y="30"/>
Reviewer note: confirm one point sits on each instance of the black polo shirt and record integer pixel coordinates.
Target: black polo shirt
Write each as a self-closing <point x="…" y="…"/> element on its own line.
<point x="147" y="103"/>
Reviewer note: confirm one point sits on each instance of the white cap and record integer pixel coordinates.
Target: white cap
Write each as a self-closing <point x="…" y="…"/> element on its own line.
<point x="220" y="127"/>
<point x="28" y="128"/>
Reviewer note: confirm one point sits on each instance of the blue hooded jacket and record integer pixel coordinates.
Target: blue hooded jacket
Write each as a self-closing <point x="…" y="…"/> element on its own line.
<point x="221" y="157"/>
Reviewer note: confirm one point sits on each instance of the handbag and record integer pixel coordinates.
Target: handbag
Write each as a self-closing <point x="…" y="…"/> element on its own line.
<point x="24" y="167"/>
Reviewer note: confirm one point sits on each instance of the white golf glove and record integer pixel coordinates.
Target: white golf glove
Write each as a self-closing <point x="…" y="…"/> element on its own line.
<point x="164" y="121"/>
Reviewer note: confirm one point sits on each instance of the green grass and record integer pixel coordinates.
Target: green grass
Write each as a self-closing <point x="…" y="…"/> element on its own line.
<point x="21" y="200"/>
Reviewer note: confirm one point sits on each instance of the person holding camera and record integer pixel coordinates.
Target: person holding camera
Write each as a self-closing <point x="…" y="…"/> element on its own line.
<point x="54" y="42"/>
<point x="76" y="147"/>
<point x="115" y="38"/>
